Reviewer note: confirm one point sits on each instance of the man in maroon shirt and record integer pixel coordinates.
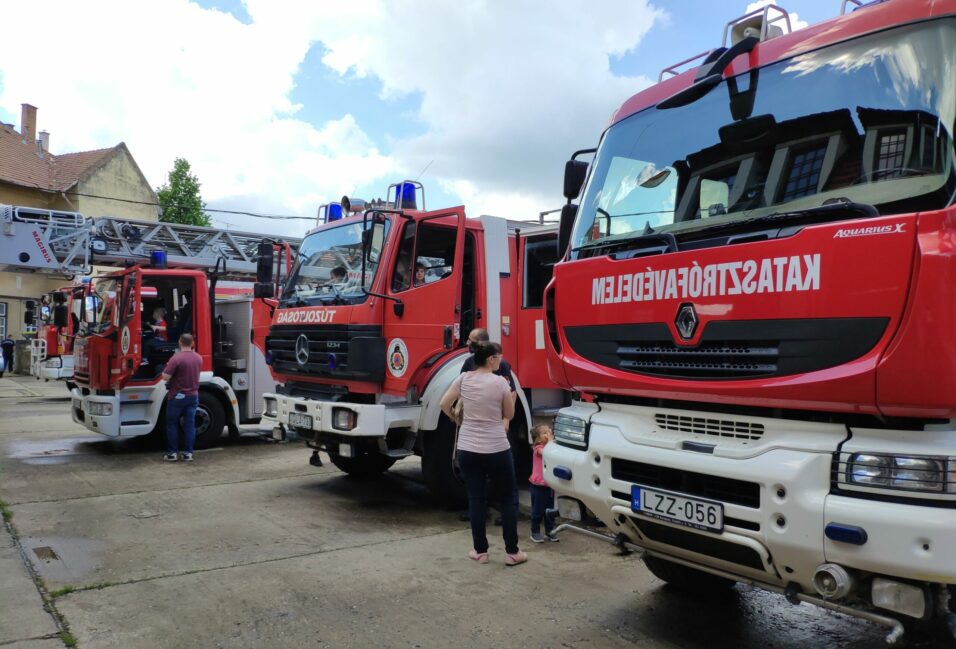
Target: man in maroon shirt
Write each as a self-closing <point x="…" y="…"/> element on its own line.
<point x="182" y="393"/>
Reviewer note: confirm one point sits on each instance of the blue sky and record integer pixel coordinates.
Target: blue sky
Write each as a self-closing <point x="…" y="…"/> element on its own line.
<point x="282" y="105"/>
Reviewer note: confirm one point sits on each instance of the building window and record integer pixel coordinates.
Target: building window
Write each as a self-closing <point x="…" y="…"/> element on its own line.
<point x="3" y="319"/>
<point x="804" y="175"/>
<point x="889" y="157"/>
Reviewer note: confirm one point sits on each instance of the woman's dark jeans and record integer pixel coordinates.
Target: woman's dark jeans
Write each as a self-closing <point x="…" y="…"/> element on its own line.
<point x="500" y="469"/>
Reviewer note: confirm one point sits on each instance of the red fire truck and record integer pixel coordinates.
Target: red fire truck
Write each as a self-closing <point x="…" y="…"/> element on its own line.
<point x="371" y="329"/>
<point x="59" y="315"/>
<point x="202" y="277"/>
<point x="754" y="293"/>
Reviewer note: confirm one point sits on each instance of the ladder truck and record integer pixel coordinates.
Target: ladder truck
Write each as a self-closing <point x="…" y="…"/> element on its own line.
<point x="371" y="329"/>
<point x="202" y="277"/>
<point x="755" y="298"/>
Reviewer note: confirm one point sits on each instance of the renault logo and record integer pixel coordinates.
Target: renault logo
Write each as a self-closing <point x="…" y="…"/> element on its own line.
<point x="302" y="349"/>
<point x="686" y="321"/>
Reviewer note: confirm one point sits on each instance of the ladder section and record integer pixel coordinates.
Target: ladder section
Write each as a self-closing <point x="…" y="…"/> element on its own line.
<point x="116" y="240"/>
<point x="45" y="241"/>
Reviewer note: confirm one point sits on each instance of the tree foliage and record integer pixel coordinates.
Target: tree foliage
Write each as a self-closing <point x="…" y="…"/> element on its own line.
<point x="179" y="198"/>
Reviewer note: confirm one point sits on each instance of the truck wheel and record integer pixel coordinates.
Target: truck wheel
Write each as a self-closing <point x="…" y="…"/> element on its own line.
<point x="684" y="578"/>
<point x="210" y="420"/>
<point x="364" y="465"/>
<point x="441" y="472"/>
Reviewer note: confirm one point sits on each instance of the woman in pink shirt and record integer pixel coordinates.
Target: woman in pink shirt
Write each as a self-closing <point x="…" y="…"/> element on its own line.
<point x="483" y="449"/>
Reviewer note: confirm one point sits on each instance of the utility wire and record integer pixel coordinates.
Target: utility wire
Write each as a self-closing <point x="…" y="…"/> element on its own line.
<point x="205" y="209"/>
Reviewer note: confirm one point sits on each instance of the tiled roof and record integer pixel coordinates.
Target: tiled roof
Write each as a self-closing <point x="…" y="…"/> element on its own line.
<point x="20" y="164"/>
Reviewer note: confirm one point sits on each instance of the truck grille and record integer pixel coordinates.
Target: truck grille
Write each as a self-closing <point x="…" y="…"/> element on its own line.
<point x="706" y="426"/>
<point x="346" y="352"/>
<point x="726" y="490"/>
<point x="729" y="349"/>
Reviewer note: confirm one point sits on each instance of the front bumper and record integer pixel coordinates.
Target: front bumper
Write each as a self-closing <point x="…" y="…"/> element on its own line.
<point x="132" y="412"/>
<point x="780" y="538"/>
<point x="371" y="420"/>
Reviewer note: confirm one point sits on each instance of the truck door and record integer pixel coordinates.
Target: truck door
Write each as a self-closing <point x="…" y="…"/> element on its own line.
<point x="129" y="343"/>
<point x="426" y="276"/>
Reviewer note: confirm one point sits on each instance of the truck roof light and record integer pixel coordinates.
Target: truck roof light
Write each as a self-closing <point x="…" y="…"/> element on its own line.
<point x="157" y="259"/>
<point x="335" y="212"/>
<point x="405" y="195"/>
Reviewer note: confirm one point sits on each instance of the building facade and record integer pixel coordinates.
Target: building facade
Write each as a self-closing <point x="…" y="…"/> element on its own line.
<point x="104" y="182"/>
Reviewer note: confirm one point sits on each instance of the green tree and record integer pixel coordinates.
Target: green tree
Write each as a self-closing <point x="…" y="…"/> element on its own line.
<point x="179" y="198"/>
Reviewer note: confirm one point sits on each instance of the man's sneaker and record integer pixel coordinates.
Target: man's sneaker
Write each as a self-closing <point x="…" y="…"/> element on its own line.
<point x="170" y="457"/>
<point x="537" y="537"/>
<point x="187" y="457"/>
<point x="551" y="536"/>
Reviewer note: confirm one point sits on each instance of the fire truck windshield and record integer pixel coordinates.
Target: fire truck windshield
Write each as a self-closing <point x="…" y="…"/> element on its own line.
<point x="102" y="304"/>
<point x="866" y="120"/>
<point x="329" y="265"/>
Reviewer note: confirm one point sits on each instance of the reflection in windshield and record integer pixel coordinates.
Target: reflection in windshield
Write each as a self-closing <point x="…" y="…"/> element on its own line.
<point x="867" y="121"/>
<point x="329" y="266"/>
<point x="102" y="303"/>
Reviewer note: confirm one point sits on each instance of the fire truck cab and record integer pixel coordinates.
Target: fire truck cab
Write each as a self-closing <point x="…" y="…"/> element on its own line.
<point x="372" y="327"/>
<point x="755" y="297"/>
<point x="119" y="355"/>
<point x="51" y="352"/>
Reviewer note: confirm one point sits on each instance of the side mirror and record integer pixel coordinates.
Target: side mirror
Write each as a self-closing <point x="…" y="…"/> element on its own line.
<point x="575" y="171"/>
<point x="61" y="315"/>
<point x="29" y="317"/>
<point x="265" y="264"/>
<point x="60" y="297"/>
<point x="263" y="290"/>
<point x="568" y="213"/>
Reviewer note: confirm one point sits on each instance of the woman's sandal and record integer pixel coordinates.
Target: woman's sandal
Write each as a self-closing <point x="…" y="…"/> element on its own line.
<point x="480" y="557"/>
<point x="516" y="558"/>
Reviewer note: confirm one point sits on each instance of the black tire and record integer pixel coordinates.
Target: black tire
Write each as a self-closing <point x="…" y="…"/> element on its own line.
<point x="210" y="420"/>
<point x="439" y="468"/>
<point x="365" y="464"/>
<point x="686" y="579"/>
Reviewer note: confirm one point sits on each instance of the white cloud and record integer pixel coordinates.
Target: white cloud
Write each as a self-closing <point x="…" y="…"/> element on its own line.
<point x="507" y="91"/>
<point x="795" y="22"/>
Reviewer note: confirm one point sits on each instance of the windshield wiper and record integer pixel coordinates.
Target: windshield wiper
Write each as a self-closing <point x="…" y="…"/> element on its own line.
<point x="636" y="245"/>
<point x="836" y="211"/>
<point x="710" y="73"/>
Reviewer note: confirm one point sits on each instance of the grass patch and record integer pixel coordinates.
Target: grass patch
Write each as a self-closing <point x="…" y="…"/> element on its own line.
<point x="60" y="592"/>
<point x="68" y="639"/>
<point x="6" y="512"/>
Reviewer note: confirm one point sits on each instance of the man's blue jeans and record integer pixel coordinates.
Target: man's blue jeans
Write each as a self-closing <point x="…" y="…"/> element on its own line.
<point x="500" y="469"/>
<point x="184" y="408"/>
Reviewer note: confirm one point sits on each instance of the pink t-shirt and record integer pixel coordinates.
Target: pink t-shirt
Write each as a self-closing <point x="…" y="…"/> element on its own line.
<point x="482" y="431"/>
<point x="537" y="467"/>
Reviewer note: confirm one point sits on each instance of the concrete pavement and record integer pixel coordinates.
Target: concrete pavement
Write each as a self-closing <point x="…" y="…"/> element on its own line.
<point x="250" y="546"/>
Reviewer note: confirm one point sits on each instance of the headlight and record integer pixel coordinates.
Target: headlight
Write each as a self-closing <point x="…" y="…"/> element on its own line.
<point x="343" y="418"/>
<point x="900" y="472"/>
<point x="272" y="408"/>
<point x="571" y="430"/>
<point x="100" y="409"/>
<point x="53" y="362"/>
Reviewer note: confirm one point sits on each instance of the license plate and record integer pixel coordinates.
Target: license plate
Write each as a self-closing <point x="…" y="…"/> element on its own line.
<point x="677" y="508"/>
<point x="299" y="420"/>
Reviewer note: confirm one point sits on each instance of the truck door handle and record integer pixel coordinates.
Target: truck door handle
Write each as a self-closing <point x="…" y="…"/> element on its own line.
<point x="448" y="336"/>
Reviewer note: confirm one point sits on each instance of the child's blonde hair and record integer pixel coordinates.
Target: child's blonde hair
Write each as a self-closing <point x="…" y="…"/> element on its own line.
<point x="538" y="432"/>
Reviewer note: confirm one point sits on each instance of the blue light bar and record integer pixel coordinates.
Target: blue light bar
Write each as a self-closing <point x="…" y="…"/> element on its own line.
<point x="562" y="472"/>
<point x="846" y="533"/>
<point x="405" y="193"/>
<point x="157" y="258"/>
<point x="334" y="213"/>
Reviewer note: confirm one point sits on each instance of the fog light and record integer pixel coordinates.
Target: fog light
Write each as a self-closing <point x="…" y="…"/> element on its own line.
<point x="272" y="408"/>
<point x="898" y="597"/>
<point x="53" y="362"/>
<point x="343" y="419"/>
<point x="570" y="509"/>
<point x="100" y="409"/>
<point x="345" y="450"/>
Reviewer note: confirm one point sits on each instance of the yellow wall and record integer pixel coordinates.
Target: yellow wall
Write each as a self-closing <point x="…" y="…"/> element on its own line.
<point x="118" y="178"/>
<point x="16" y="195"/>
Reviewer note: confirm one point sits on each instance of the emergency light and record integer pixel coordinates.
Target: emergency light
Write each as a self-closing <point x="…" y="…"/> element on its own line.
<point x="405" y="195"/>
<point x="157" y="259"/>
<point x="334" y="213"/>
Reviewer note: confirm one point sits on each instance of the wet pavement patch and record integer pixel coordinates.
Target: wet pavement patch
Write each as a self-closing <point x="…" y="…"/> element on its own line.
<point x="45" y="553"/>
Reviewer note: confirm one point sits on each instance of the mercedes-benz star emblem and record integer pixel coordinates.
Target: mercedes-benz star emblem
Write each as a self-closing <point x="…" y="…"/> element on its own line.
<point x="686" y="321"/>
<point x="302" y="349"/>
